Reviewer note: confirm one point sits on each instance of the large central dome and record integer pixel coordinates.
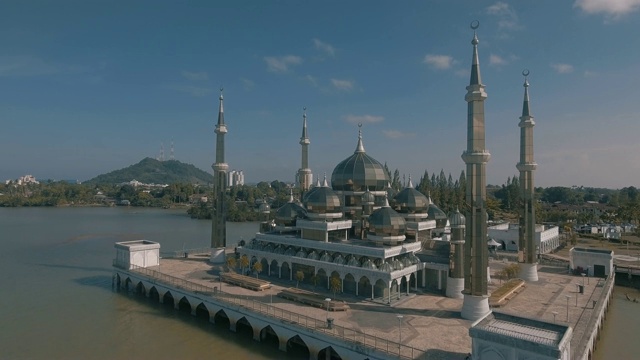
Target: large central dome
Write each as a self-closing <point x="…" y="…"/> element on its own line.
<point x="359" y="172"/>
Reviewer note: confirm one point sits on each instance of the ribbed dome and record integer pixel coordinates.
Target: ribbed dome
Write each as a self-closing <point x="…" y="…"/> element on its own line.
<point x="322" y="200"/>
<point x="386" y="267"/>
<point x="368" y="264"/>
<point x="435" y="213"/>
<point x="368" y="198"/>
<point x="359" y="172"/>
<point x="457" y="219"/>
<point x="288" y="213"/>
<point x="386" y="222"/>
<point x="410" y="200"/>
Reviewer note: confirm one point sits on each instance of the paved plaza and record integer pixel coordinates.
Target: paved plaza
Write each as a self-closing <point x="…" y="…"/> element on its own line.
<point x="430" y="322"/>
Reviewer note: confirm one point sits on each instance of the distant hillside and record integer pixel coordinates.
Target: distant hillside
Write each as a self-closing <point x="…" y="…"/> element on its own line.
<point x="157" y="172"/>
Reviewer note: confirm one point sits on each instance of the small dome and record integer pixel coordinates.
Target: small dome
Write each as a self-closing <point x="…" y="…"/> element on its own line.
<point x="457" y="219"/>
<point x="359" y="172"/>
<point x="386" y="222"/>
<point x="288" y="213"/>
<point x="268" y="248"/>
<point x="397" y="265"/>
<point x="353" y="261"/>
<point x="313" y="255"/>
<point x="279" y="249"/>
<point x="413" y="258"/>
<point x="386" y="267"/>
<point x="322" y="201"/>
<point x="410" y="200"/>
<point x="311" y="190"/>
<point x="368" y="198"/>
<point x="406" y="261"/>
<point x="290" y="251"/>
<point x="435" y="213"/>
<point x="326" y="257"/>
<point x="264" y="208"/>
<point x="301" y="254"/>
<point x="368" y="264"/>
<point x="338" y="259"/>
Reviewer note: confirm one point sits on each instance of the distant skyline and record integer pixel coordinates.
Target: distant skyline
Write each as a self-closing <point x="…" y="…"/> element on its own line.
<point x="87" y="87"/>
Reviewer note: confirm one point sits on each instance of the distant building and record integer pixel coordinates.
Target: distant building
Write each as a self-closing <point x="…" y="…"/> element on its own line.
<point x="236" y="177"/>
<point x="23" y="180"/>
<point x="547" y="238"/>
<point x="135" y="183"/>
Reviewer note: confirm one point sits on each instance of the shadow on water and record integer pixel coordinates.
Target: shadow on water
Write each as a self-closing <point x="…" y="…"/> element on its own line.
<point x="75" y="267"/>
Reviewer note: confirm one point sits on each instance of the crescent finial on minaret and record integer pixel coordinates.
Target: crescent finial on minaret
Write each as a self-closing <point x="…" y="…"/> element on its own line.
<point x="525" y="73"/>
<point x="221" y="91"/>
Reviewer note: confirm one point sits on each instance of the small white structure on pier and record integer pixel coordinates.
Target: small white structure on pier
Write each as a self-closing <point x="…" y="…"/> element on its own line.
<point x="142" y="253"/>
<point x="593" y="262"/>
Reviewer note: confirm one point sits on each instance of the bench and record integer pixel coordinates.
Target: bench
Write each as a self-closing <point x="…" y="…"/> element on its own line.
<point x="312" y="299"/>
<point x="245" y="281"/>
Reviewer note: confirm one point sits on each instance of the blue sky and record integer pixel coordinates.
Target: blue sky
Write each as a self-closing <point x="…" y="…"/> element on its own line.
<point x="87" y="87"/>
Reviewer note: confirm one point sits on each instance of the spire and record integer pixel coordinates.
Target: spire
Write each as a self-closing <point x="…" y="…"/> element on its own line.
<point x="359" y="147"/>
<point x="290" y="195"/>
<point x="525" y="103"/>
<point x="304" y="126"/>
<point x="475" y="64"/>
<point x="410" y="185"/>
<point x="221" y="111"/>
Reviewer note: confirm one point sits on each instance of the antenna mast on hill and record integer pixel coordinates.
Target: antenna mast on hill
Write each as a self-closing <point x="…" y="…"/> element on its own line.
<point x="171" y="156"/>
<point x="161" y="158"/>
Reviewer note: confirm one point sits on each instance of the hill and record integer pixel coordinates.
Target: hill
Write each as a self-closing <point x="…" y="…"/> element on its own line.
<point x="157" y="172"/>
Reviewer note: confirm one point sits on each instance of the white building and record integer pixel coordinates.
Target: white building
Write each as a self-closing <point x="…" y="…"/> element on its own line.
<point x="23" y="180"/>
<point x="236" y="177"/>
<point x="547" y="237"/>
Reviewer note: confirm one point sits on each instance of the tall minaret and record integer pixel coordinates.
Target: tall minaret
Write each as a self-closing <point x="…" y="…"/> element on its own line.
<point x="305" y="178"/>
<point x="527" y="253"/>
<point x="218" y="216"/>
<point x="476" y="296"/>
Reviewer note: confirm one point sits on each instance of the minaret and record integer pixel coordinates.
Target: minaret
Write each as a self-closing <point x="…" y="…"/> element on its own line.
<point x="527" y="253"/>
<point x="305" y="178"/>
<point x="218" y="216"/>
<point x="455" y="280"/>
<point x="476" y="296"/>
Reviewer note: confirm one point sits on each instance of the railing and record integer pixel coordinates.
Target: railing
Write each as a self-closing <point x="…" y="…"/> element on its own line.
<point x="594" y="318"/>
<point x="185" y="252"/>
<point x="356" y="337"/>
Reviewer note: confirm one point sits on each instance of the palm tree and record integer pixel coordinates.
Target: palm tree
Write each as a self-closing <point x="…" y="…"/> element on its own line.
<point x="257" y="267"/>
<point x="244" y="262"/>
<point x="335" y="285"/>
<point x="231" y="263"/>
<point x="299" y="277"/>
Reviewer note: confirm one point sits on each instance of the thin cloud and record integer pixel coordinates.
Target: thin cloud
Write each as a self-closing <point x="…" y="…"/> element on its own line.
<point x="613" y="9"/>
<point x="396" y="134"/>
<point x="496" y="60"/>
<point x="281" y="63"/>
<point x="461" y="72"/>
<point x="28" y="66"/>
<point x="344" y="85"/>
<point x="195" y="91"/>
<point x="195" y="76"/>
<point x="562" y="68"/>
<point x="589" y="74"/>
<point x="507" y="17"/>
<point x="247" y="84"/>
<point x="311" y="80"/>
<point x="363" y="119"/>
<point x="440" y="62"/>
<point x="324" y="47"/>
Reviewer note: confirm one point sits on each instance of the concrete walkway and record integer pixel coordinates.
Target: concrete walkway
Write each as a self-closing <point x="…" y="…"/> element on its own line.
<point x="430" y="322"/>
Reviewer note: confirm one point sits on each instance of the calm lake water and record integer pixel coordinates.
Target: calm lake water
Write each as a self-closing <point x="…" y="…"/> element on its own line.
<point x="57" y="303"/>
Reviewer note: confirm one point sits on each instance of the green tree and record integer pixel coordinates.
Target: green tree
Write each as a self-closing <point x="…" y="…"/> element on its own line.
<point x="257" y="268"/>
<point x="299" y="277"/>
<point x="231" y="263"/>
<point x="244" y="263"/>
<point x="335" y="285"/>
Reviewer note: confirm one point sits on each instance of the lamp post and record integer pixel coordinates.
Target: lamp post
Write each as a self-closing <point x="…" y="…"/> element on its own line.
<point x="399" y="332"/>
<point x="328" y="300"/>
<point x="568" y="297"/>
<point x="554" y="316"/>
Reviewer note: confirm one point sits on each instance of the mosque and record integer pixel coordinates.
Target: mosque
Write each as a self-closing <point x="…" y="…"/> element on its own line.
<point x="352" y="234"/>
